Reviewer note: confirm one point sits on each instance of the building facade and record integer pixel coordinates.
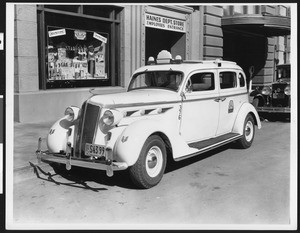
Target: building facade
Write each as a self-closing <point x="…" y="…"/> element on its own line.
<point x="62" y="51"/>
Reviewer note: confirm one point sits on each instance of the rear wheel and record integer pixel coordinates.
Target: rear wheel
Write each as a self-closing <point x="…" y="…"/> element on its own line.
<point x="248" y="133"/>
<point x="150" y="166"/>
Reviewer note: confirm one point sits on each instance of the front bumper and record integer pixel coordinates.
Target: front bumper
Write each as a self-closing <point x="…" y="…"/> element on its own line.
<point x="107" y="164"/>
<point x="274" y="109"/>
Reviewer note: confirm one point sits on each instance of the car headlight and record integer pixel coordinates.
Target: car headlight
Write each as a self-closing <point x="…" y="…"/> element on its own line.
<point x="287" y="90"/>
<point x="111" y="117"/>
<point x="108" y="117"/>
<point x="71" y="113"/>
<point x="266" y="90"/>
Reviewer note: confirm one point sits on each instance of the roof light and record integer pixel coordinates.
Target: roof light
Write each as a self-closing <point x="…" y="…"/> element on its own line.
<point x="151" y="60"/>
<point x="178" y="59"/>
<point x="164" y="56"/>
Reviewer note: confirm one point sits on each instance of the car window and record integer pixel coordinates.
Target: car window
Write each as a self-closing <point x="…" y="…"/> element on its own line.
<point x="227" y="80"/>
<point x="157" y="79"/>
<point x="241" y="80"/>
<point x="201" y="82"/>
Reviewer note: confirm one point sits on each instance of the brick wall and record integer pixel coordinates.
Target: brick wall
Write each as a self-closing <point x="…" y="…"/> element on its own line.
<point x="26" y="49"/>
<point x="212" y="32"/>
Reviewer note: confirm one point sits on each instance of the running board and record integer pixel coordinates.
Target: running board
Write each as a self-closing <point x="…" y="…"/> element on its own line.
<point x="210" y="144"/>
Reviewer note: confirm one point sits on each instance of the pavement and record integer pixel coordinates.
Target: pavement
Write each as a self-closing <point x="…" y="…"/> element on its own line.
<point x="25" y="144"/>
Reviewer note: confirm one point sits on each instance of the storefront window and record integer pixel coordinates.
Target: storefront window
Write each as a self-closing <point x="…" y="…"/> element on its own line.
<point x="76" y="54"/>
<point x="78" y="50"/>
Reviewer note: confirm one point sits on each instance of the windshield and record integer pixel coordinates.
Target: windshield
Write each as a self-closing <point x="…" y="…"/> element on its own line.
<point x="156" y="79"/>
<point x="283" y="72"/>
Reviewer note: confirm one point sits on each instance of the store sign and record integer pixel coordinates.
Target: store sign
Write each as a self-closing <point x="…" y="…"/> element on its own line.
<point x="165" y="23"/>
<point x="99" y="37"/>
<point x="80" y="35"/>
<point x="59" y="32"/>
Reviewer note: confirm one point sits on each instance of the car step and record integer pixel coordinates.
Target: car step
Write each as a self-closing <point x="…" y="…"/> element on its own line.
<point x="210" y="144"/>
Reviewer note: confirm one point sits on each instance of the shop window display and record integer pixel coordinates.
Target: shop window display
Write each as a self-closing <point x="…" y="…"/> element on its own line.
<point x="73" y="54"/>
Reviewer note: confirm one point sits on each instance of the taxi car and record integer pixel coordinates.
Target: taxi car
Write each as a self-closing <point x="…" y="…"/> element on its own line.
<point x="172" y="110"/>
<point x="274" y="99"/>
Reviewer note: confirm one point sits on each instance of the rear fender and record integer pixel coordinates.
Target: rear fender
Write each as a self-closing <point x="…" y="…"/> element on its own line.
<point x="245" y="109"/>
<point x="58" y="135"/>
<point x="130" y="142"/>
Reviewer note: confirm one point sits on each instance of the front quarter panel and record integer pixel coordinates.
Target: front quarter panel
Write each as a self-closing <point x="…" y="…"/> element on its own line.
<point x="131" y="141"/>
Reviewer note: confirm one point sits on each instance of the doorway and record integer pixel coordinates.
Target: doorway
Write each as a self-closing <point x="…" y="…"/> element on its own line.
<point x="158" y="40"/>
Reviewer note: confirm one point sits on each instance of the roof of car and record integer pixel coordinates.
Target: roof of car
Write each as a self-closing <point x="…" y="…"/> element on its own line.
<point x="190" y="65"/>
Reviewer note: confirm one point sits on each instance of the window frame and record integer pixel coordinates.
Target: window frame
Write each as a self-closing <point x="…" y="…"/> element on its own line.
<point x="235" y="77"/>
<point x="113" y="22"/>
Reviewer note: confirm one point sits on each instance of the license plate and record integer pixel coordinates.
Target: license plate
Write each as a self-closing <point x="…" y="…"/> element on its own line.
<point x="94" y="150"/>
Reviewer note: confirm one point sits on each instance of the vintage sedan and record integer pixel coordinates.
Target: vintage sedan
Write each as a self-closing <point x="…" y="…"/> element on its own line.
<point x="274" y="99"/>
<point x="172" y="110"/>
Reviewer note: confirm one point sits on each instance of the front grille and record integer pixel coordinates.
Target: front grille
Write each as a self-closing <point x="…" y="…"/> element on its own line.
<point x="279" y="98"/>
<point x="86" y="127"/>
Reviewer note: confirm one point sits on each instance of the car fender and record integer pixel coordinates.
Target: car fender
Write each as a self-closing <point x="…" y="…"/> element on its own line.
<point x="130" y="142"/>
<point x="260" y="97"/>
<point x="244" y="110"/>
<point x="58" y="137"/>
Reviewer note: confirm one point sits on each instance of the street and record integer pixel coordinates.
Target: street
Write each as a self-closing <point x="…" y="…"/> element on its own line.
<point x="225" y="186"/>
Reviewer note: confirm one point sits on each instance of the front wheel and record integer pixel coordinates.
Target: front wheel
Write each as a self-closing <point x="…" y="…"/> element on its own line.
<point x="248" y="133"/>
<point x="150" y="166"/>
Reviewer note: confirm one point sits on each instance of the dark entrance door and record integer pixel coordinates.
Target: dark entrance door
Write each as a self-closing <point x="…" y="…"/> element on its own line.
<point x="245" y="50"/>
<point x="157" y="40"/>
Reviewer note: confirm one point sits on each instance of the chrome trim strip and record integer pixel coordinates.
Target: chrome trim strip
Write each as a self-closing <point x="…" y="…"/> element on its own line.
<point x="141" y="104"/>
<point x="82" y="126"/>
<point x="208" y="148"/>
<point x="168" y="102"/>
<point x="93" y="164"/>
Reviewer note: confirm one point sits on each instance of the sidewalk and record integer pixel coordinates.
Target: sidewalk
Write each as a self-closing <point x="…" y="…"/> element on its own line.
<point x="26" y="141"/>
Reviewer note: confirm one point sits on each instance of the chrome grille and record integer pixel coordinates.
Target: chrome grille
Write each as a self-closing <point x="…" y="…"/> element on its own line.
<point x="86" y="128"/>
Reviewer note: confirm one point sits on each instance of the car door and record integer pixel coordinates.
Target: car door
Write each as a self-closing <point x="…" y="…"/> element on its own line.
<point x="233" y="93"/>
<point x="200" y="111"/>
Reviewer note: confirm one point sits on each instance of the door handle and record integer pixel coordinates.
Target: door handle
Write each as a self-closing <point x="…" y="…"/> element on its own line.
<point x="218" y="99"/>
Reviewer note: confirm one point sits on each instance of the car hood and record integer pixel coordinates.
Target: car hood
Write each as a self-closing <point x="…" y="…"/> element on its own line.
<point x="135" y="97"/>
<point x="283" y="81"/>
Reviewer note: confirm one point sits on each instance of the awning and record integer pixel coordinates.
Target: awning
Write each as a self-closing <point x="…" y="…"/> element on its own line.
<point x="262" y="25"/>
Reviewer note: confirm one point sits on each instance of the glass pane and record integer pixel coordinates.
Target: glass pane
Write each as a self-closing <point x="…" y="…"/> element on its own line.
<point x="203" y="82"/>
<point x="157" y="79"/>
<point x="70" y="8"/>
<point x="100" y="11"/>
<point x="227" y="80"/>
<point x="75" y="54"/>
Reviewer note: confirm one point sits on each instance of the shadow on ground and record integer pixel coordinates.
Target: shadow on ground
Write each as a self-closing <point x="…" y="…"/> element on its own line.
<point x="80" y="177"/>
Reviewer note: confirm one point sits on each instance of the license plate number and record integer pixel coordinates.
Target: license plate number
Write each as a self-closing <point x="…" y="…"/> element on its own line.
<point x="94" y="150"/>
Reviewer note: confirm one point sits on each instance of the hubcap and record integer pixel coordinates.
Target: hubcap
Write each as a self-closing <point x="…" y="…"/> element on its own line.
<point x="249" y="131"/>
<point x="154" y="161"/>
